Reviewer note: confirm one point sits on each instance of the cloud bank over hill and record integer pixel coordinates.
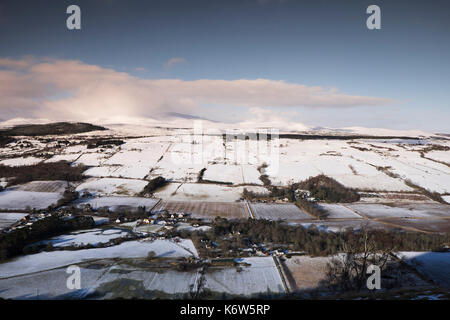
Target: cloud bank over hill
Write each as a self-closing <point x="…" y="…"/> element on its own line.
<point x="72" y="90"/>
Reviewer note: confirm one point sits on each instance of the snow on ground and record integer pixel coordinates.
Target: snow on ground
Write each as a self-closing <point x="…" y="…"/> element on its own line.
<point x="15" y="162"/>
<point x="114" y="203"/>
<point x="181" y="168"/>
<point x="51" y="284"/>
<point x="261" y="276"/>
<point x="111" y="186"/>
<point x="129" y="249"/>
<point x="63" y="157"/>
<point x="340" y="226"/>
<point x="224" y="173"/>
<point x="203" y="192"/>
<point x="435" y="265"/>
<point x="102" y="171"/>
<point x="182" y="226"/>
<point x="22" y="200"/>
<point x="137" y="157"/>
<point x="275" y="211"/>
<point x="90" y="159"/>
<point x="380" y="210"/>
<point x="168" y="281"/>
<point x="8" y="218"/>
<point x="337" y="211"/>
<point x="92" y="236"/>
<point x="301" y="159"/>
<point x="42" y="186"/>
<point x="446" y="199"/>
<point x="443" y="156"/>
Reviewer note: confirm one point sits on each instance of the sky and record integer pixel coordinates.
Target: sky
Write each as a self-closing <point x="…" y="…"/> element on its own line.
<point x="310" y="62"/>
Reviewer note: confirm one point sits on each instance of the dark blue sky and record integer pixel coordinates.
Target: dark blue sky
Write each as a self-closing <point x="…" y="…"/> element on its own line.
<point x="314" y="43"/>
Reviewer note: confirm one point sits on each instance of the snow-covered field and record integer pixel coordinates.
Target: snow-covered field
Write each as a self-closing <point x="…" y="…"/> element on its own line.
<point x="446" y="199"/>
<point x="261" y="276"/>
<point x="8" y="218"/>
<point x="127" y="279"/>
<point x="84" y="237"/>
<point x="337" y="211"/>
<point x="42" y="186"/>
<point x="22" y="200"/>
<point x="114" y="203"/>
<point x="111" y="186"/>
<point x="413" y="211"/>
<point x="178" y="155"/>
<point x="21" y="161"/>
<point x="275" y="211"/>
<point x="203" y="192"/>
<point x="435" y="265"/>
<point x="129" y="249"/>
<point x="235" y="174"/>
<point x="443" y="156"/>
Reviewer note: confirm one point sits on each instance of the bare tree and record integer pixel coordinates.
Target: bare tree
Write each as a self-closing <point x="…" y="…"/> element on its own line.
<point x="347" y="271"/>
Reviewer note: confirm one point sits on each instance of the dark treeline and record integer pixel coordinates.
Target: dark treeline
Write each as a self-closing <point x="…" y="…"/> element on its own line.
<point x="56" y="128"/>
<point x="15" y="242"/>
<point x="311" y="208"/>
<point x="310" y="240"/>
<point x="42" y="171"/>
<point x="106" y="143"/>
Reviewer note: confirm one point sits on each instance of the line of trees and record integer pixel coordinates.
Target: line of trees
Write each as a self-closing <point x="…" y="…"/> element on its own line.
<point x="311" y="240"/>
<point x="15" y="242"/>
<point x="61" y="170"/>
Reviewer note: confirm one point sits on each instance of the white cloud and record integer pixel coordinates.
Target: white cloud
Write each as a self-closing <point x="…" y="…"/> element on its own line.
<point x="73" y="90"/>
<point x="174" y="61"/>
